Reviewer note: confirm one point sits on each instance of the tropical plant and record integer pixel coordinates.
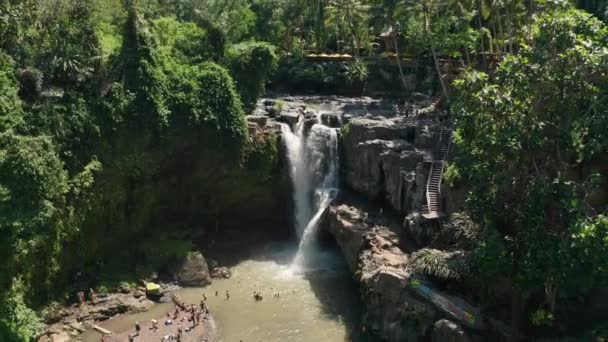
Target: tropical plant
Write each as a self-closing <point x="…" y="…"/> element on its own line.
<point x="523" y="151"/>
<point x="251" y="65"/>
<point x="441" y="265"/>
<point x="348" y="16"/>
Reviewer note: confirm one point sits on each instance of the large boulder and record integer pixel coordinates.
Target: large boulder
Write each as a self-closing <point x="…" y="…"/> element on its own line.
<point x="193" y="270"/>
<point x="420" y="229"/>
<point x="330" y="119"/>
<point x="393" y="312"/>
<point x="447" y="331"/>
<point x="260" y="120"/>
<point x="291" y="117"/>
<point x="61" y="337"/>
<point x="347" y="225"/>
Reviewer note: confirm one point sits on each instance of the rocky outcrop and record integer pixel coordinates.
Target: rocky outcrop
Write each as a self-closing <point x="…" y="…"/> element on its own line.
<point x="420" y="229"/>
<point x="447" y="331"/>
<point x="388" y="159"/>
<point x="193" y="271"/>
<point x="400" y="306"/>
<point x="371" y="244"/>
<point x="348" y="226"/>
<point x="404" y="172"/>
<point x="69" y="322"/>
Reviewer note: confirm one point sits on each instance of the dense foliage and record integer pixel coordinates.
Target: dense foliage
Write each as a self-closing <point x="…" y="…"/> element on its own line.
<point x="77" y="185"/>
<point x="532" y="139"/>
<point x="251" y="63"/>
<point x="121" y="118"/>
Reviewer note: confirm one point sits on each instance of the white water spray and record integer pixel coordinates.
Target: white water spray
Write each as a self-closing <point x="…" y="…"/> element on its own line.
<point x="314" y="166"/>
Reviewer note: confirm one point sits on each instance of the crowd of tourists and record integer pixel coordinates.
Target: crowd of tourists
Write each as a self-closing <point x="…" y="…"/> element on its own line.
<point x="185" y="317"/>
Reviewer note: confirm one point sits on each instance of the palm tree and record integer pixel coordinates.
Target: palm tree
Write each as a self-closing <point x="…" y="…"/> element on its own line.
<point x="348" y="15"/>
<point x="428" y="7"/>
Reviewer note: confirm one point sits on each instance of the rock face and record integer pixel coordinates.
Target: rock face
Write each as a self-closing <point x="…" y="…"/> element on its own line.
<point x="193" y="271"/>
<point x="448" y="331"/>
<point x="388" y="159"/>
<point x="73" y="320"/>
<point x="375" y="255"/>
<point x="400" y="306"/>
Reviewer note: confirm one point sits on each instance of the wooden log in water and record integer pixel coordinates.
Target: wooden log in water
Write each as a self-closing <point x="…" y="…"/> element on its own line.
<point x="102" y="330"/>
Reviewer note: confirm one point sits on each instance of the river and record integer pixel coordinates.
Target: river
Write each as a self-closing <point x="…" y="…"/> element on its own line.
<point x="318" y="304"/>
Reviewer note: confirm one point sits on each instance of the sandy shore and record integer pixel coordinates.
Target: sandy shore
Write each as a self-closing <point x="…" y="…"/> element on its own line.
<point x="205" y="331"/>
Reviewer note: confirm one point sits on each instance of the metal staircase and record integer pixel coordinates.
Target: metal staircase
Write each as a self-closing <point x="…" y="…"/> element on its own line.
<point x="433" y="185"/>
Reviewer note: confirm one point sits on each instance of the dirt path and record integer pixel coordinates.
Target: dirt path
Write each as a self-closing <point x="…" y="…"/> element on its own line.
<point x="203" y="332"/>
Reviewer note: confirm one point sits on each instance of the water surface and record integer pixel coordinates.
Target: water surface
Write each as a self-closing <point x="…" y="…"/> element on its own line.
<point x="317" y="302"/>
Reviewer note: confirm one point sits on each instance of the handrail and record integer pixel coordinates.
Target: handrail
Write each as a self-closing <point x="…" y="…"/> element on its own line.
<point x="428" y="181"/>
<point x="445" y="157"/>
<point x="441" y="159"/>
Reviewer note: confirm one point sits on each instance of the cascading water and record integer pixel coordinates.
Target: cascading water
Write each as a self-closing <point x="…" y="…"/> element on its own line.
<point x="314" y="166"/>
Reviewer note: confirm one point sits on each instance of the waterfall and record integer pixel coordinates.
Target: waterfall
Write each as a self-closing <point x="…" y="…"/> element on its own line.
<point x="314" y="171"/>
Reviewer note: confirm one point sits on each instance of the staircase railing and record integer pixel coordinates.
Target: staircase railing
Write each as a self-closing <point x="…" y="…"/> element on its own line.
<point x="441" y="157"/>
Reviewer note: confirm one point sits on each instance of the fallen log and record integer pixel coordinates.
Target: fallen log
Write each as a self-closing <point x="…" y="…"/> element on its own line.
<point x="102" y="330"/>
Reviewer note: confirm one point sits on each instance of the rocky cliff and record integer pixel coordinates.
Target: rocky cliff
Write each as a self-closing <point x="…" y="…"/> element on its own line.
<point x="385" y="160"/>
<point x="378" y="258"/>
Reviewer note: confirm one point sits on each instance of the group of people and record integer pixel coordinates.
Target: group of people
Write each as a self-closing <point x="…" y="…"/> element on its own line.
<point x="187" y="318"/>
<point x="407" y="109"/>
<point x="81" y="298"/>
<point x="193" y="315"/>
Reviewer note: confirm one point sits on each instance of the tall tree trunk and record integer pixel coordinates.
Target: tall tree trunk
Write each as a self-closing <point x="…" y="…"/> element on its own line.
<point x="502" y="37"/>
<point x="353" y="33"/>
<point x="481" y="35"/>
<point x="496" y="38"/>
<point x="429" y="33"/>
<point x="529" y="19"/>
<point x="510" y="30"/>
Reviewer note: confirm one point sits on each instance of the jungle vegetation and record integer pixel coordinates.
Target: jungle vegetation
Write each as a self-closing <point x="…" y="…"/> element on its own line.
<point x="113" y="111"/>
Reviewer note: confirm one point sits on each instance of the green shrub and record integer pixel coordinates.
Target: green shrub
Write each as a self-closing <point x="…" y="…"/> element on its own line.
<point x="18" y="323"/>
<point x="356" y="73"/>
<point x="11" y="111"/>
<point x="251" y="65"/>
<point x="452" y="175"/>
<point x="204" y="96"/>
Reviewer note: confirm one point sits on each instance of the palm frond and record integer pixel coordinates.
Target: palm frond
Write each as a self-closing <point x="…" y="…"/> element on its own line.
<point x="460" y="232"/>
<point x="446" y="266"/>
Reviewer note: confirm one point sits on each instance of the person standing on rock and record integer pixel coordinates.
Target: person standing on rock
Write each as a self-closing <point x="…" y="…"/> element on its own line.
<point x="80" y="296"/>
<point x="137" y="328"/>
<point x="227" y="295"/>
<point x="92" y="295"/>
<point x="180" y="332"/>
